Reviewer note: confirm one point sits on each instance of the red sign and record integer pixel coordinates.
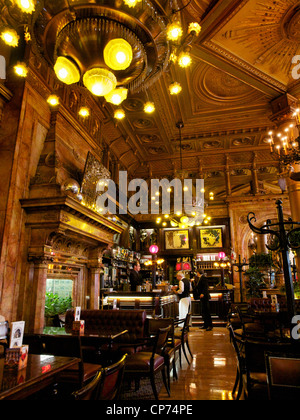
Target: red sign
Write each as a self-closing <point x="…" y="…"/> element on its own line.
<point x="222" y="255"/>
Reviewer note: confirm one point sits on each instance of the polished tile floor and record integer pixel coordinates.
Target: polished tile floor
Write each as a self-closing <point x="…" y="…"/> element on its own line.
<point x="211" y="374"/>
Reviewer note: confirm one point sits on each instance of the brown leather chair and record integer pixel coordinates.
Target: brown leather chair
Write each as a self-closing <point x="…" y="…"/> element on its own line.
<point x="147" y="364"/>
<point x="283" y="371"/>
<point x="106" y="385"/>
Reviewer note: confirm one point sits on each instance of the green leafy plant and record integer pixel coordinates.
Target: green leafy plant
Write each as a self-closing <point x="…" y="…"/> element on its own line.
<point x="55" y="305"/>
<point x="262" y="260"/>
<point x="255" y="283"/>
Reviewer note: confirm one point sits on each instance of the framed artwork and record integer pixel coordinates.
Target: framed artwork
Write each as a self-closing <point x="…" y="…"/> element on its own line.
<point x="177" y="239"/>
<point x="211" y="238"/>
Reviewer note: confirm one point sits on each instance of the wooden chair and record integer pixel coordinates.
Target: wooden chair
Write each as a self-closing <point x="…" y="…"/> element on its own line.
<point x="238" y="345"/>
<point x="70" y="346"/>
<point x="250" y="328"/>
<point x="173" y="345"/>
<point x="283" y="372"/>
<point x="255" y="375"/>
<point x="106" y="385"/>
<point x="183" y="335"/>
<point x="146" y="364"/>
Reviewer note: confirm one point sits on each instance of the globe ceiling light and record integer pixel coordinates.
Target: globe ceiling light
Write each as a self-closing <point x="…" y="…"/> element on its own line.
<point x="10" y="37"/>
<point x="27" y="6"/>
<point x="132" y="44"/>
<point x="117" y="96"/>
<point x="99" y="82"/>
<point x="132" y="3"/>
<point x="119" y="114"/>
<point x="118" y="54"/>
<point x="66" y="71"/>
<point x="174" y="31"/>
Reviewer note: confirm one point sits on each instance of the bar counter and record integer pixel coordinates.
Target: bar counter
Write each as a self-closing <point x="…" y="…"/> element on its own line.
<point x="156" y="302"/>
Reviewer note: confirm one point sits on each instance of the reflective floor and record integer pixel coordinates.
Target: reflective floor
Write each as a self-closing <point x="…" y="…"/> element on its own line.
<point x="211" y="374"/>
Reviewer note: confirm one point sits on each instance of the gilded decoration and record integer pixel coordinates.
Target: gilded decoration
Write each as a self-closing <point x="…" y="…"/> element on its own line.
<point x="264" y="34"/>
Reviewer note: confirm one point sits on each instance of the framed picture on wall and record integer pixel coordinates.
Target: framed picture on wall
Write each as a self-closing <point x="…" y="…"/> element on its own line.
<point x="177" y="239"/>
<point x="211" y="238"/>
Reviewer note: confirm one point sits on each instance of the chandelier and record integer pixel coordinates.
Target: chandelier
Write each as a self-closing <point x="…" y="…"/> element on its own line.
<point x="111" y="48"/>
<point x="286" y="144"/>
<point x="192" y="212"/>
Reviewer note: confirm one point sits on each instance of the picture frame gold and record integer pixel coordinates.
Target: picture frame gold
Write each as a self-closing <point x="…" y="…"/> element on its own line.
<point x="211" y="238"/>
<point x="177" y="239"/>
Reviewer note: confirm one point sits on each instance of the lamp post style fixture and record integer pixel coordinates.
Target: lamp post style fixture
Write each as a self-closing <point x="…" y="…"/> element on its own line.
<point x="282" y="239"/>
<point x="240" y="265"/>
<point x="110" y="48"/>
<point x="154" y="251"/>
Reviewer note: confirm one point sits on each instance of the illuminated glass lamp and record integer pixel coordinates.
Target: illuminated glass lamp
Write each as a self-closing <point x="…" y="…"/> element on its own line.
<point x="184" y="59"/>
<point x="118" y="54"/>
<point x="53" y="100"/>
<point x="153" y="249"/>
<point x="10" y="37"/>
<point x="117" y="96"/>
<point x="21" y="70"/>
<point x="174" y="31"/>
<point x="66" y="71"/>
<point x="149" y="107"/>
<point x="119" y="114"/>
<point x="194" y="28"/>
<point x="175" y="88"/>
<point x="84" y="112"/>
<point x="132" y="3"/>
<point x="99" y="82"/>
<point x="27" y="6"/>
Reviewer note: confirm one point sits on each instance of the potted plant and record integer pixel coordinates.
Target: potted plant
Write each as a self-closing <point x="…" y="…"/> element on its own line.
<point x="55" y="306"/>
<point x="255" y="283"/>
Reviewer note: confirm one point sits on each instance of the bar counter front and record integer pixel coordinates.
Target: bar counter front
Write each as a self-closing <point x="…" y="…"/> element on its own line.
<point x="157" y="302"/>
<point x="165" y="304"/>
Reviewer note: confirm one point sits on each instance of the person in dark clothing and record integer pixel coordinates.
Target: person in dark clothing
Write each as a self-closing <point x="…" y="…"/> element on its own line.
<point x="201" y="289"/>
<point x="135" y="277"/>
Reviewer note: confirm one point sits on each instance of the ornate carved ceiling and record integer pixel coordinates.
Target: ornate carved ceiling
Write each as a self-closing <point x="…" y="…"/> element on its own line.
<point x="242" y="61"/>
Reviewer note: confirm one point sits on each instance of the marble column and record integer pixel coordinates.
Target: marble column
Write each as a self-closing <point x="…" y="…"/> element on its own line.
<point x="38" y="293"/>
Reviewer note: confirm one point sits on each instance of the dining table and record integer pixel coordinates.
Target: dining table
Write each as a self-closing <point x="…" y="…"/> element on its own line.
<point x="98" y="339"/>
<point x="41" y="371"/>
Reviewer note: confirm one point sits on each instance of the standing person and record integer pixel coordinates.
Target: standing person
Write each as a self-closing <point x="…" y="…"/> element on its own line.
<point x="184" y="290"/>
<point x="201" y="287"/>
<point x="135" y="277"/>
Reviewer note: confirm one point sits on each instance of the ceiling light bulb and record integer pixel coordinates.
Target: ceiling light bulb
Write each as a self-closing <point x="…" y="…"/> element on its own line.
<point x="194" y="28"/>
<point x="149" y="107"/>
<point x="27" y="6"/>
<point x="21" y="70"/>
<point x="184" y="59"/>
<point x="53" y="100"/>
<point x="66" y="71"/>
<point x="174" y="31"/>
<point x="99" y="81"/>
<point x="10" y="37"/>
<point x="84" y="112"/>
<point x="119" y="114"/>
<point x="117" y="96"/>
<point x="175" y="88"/>
<point x="118" y="54"/>
<point x="132" y="3"/>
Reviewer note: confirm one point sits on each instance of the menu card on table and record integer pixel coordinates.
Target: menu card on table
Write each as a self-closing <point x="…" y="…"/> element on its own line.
<point x="17" y="355"/>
